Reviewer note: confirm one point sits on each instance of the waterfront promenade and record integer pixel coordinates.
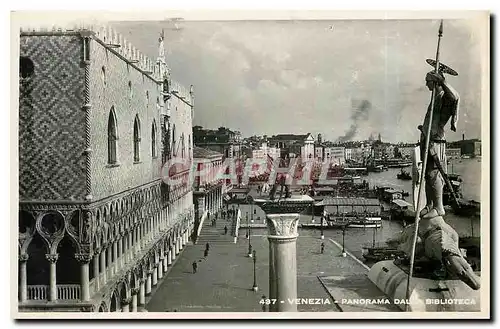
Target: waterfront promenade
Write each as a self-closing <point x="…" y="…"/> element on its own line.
<point x="224" y="279"/>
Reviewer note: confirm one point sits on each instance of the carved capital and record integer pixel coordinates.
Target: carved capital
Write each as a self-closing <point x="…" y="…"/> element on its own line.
<point x="52" y="258"/>
<point x="83" y="258"/>
<point x="135" y="291"/>
<point x="283" y="225"/>
<point x="23" y="257"/>
<point x="150" y="272"/>
<point x="126" y="301"/>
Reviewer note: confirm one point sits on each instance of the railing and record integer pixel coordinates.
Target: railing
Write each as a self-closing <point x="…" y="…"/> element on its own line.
<point x="64" y="292"/>
<point x="37" y="292"/>
<point x="68" y="291"/>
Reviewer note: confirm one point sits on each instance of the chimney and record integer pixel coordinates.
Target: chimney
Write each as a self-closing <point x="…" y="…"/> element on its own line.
<point x="463" y="137"/>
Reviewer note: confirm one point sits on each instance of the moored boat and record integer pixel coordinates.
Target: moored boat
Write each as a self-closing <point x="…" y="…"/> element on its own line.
<point x="404" y="175"/>
<point x="379" y="253"/>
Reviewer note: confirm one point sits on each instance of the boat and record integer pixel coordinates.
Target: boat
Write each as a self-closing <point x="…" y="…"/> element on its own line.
<point x="404" y="175"/>
<point x="402" y="210"/>
<point x="456" y="182"/>
<point x="366" y="222"/>
<point x="355" y="222"/>
<point x="379" y="253"/>
<point x="467" y="208"/>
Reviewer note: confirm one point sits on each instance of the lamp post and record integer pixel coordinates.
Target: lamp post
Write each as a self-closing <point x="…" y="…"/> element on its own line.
<point x="322" y="233"/>
<point x="254" y="287"/>
<point x="249" y="241"/>
<point x="343" y="240"/>
<point x="248" y="227"/>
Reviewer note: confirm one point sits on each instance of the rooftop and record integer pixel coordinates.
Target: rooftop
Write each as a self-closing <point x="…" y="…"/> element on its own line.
<point x="201" y="153"/>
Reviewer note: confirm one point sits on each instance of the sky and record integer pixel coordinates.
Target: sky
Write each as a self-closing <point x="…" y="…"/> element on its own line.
<point x="345" y="79"/>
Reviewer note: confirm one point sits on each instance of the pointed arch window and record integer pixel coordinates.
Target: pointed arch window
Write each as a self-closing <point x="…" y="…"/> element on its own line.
<point x="112" y="137"/>
<point x="137" y="139"/>
<point x="153" y="140"/>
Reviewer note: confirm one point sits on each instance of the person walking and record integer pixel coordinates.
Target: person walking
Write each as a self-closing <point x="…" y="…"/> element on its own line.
<point x="207" y="247"/>
<point x="322" y="247"/>
<point x="205" y="254"/>
<point x="195" y="267"/>
<point x="225" y="230"/>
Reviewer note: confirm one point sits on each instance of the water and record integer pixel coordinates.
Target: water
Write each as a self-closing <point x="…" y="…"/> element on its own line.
<point x="469" y="169"/>
<point x="355" y="238"/>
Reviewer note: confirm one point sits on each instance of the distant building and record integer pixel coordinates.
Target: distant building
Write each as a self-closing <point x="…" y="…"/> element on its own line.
<point x="406" y="150"/>
<point x="290" y="144"/>
<point x="453" y="153"/>
<point x="470" y="147"/>
<point x="337" y="155"/>
<point x="223" y="140"/>
<point x="264" y="150"/>
<point x="208" y="189"/>
<point x="307" y="150"/>
<point x="348" y="153"/>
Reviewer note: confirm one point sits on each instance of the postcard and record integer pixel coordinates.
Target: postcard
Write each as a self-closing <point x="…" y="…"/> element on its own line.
<point x="250" y="165"/>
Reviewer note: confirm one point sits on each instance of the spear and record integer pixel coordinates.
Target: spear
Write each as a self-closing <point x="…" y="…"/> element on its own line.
<point x="421" y="176"/>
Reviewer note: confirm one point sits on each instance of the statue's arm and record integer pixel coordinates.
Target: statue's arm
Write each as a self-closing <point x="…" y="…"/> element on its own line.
<point x="453" y="99"/>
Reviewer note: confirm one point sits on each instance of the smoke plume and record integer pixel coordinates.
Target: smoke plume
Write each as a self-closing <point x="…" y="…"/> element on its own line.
<point x="359" y="113"/>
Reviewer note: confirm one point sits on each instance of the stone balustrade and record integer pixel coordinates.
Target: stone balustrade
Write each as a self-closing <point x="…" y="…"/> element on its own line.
<point x="38" y="292"/>
<point x="64" y="292"/>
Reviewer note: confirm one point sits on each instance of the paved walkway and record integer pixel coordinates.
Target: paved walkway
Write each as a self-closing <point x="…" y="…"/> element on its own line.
<point x="224" y="279"/>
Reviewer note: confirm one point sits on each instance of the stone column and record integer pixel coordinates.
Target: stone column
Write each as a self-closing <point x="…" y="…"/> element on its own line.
<point x="160" y="268"/>
<point x="137" y="241"/>
<point x="120" y="252"/>
<point x="142" y="292"/>
<point x="84" y="260"/>
<point x="97" y="276"/>
<point x="165" y="263"/>
<point x="135" y="291"/>
<point x="126" y="304"/>
<point x="148" y="283"/>
<point x="283" y="261"/>
<point x="110" y="265"/>
<point x="23" y="279"/>
<point x="102" y="260"/>
<point x="169" y="255"/>
<point x="52" y="258"/>
<point x="128" y="244"/>
<point x="115" y="256"/>
<point x="155" y="275"/>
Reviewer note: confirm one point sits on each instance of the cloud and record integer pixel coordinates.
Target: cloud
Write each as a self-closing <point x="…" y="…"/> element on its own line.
<point x="268" y="77"/>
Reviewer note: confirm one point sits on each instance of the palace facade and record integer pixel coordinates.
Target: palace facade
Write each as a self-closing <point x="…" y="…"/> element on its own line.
<point x="98" y="225"/>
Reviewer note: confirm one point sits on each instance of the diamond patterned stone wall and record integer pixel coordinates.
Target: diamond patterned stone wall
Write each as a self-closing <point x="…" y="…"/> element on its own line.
<point x="51" y="119"/>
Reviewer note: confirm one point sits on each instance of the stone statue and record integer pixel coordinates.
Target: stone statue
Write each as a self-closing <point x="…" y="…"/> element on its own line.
<point x="437" y="243"/>
<point x="446" y="106"/>
<point x="86" y="227"/>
